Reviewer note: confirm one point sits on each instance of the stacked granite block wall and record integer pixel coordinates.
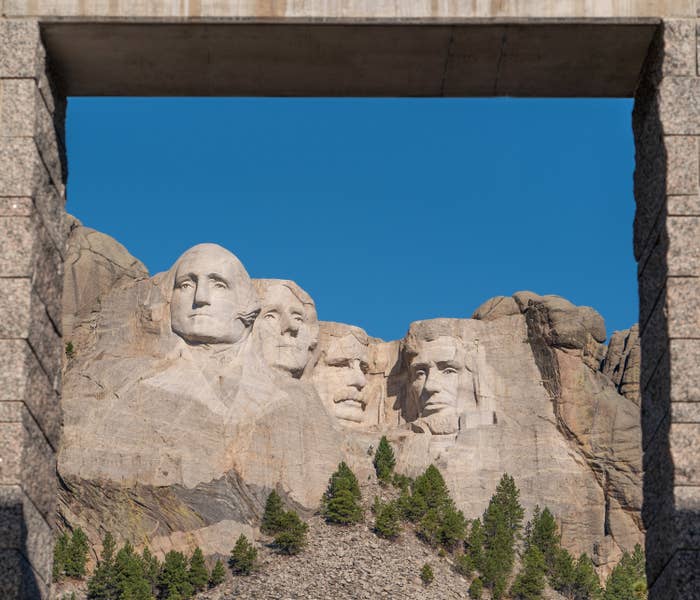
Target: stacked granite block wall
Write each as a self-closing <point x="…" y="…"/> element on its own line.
<point x="666" y="122"/>
<point x="32" y="183"/>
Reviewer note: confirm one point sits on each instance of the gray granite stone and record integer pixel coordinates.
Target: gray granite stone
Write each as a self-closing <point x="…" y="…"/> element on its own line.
<point x="672" y="531"/>
<point x="659" y="474"/>
<point x="682" y="164"/>
<point x="27" y="250"/>
<point x="683" y="246"/>
<point x="20" y="167"/>
<point x="680" y="578"/>
<point x="656" y="401"/>
<point x="654" y="339"/>
<point x="685" y="370"/>
<point x="23" y="380"/>
<point x="684" y="439"/>
<point x="685" y="412"/>
<point x="15" y="307"/>
<point x="679" y="105"/>
<point x="17" y="107"/>
<point x="18" y="581"/>
<point x="683" y="205"/>
<point x="22" y="528"/>
<point x="16" y="207"/>
<point x="683" y="307"/>
<point x="21" y="51"/>
<point x="29" y="461"/>
<point x="45" y="341"/>
<point x="679" y="47"/>
<point x="652" y="272"/>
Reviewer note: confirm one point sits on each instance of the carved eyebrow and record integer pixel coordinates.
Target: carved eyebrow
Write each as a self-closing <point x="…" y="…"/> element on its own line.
<point x="184" y="277"/>
<point x="421" y="365"/>
<point x="448" y="364"/>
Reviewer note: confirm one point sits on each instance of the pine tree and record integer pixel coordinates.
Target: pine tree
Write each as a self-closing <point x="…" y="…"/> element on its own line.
<point x="173" y="581"/>
<point x="102" y="585"/>
<point x="463" y="565"/>
<point x="426" y="574"/>
<point x="243" y="557"/>
<point x="627" y="578"/>
<point x="387" y="523"/>
<point x="292" y="539"/>
<point x="453" y="527"/>
<point x="476" y="589"/>
<point x="430" y="492"/>
<point x="562" y="576"/>
<point x="341" y="500"/>
<point x="502" y="522"/>
<point x="218" y="574"/>
<point x="273" y="517"/>
<point x="586" y="583"/>
<point x="151" y="569"/>
<point x="129" y="575"/>
<point x="198" y="572"/>
<point x="474" y="546"/>
<point x="76" y="554"/>
<point x="384" y="461"/>
<point x="530" y="582"/>
<point x="543" y="533"/>
<point x="60" y="554"/>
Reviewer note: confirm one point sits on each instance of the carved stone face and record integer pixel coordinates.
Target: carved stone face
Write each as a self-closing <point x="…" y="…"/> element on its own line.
<point x="287" y="330"/>
<point x="211" y="289"/>
<point x="436" y="374"/>
<point x="340" y="378"/>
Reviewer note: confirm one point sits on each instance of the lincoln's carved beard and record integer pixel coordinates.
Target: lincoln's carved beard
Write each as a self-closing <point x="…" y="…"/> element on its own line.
<point x="340" y="379"/>
<point x="437" y="373"/>
<point x="211" y="293"/>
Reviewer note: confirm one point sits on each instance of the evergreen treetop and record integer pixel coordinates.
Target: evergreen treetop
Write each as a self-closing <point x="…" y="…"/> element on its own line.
<point x="174" y="583"/>
<point x="218" y="574"/>
<point x="198" y="572"/>
<point x="273" y="517"/>
<point x="243" y="557"/>
<point x="384" y="460"/>
<point x="530" y="582"/>
<point x="341" y="500"/>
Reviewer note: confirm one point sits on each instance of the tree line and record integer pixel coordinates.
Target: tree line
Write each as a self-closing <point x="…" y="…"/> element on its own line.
<point x="484" y="550"/>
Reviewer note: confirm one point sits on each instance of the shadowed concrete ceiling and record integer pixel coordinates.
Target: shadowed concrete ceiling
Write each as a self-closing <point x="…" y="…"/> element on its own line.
<point x="564" y="59"/>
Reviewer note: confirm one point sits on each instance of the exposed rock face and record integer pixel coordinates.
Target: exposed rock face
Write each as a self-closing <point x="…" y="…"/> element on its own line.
<point x="199" y="390"/>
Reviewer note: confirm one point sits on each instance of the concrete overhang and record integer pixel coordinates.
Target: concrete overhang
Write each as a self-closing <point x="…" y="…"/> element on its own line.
<point x="527" y="58"/>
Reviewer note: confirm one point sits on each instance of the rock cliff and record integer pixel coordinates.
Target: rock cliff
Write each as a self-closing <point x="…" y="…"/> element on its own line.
<point x="193" y="393"/>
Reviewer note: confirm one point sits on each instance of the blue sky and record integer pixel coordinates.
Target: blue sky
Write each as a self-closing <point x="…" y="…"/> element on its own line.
<point x="385" y="210"/>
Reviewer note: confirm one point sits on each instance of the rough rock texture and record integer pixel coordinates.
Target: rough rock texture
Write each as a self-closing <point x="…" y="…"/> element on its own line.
<point x="199" y="390"/>
<point x="622" y="363"/>
<point x="94" y="265"/>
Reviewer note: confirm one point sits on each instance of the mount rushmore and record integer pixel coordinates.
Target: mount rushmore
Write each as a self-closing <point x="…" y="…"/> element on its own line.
<point x="190" y="395"/>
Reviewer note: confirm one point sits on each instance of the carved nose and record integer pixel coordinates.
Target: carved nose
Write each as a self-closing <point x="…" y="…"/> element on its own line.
<point x="201" y="294"/>
<point x="358" y="381"/>
<point x="431" y="386"/>
<point x="290" y="326"/>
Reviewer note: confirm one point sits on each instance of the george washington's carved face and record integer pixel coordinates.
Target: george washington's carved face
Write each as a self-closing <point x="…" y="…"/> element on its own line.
<point x="436" y="373"/>
<point x="210" y="293"/>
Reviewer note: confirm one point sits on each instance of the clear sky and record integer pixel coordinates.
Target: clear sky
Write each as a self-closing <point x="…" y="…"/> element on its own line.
<point x="386" y="211"/>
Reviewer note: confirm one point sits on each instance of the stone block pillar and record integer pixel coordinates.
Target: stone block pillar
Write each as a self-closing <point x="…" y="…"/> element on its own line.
<point x="666" y="123"/>
<point x="32" y="184"/>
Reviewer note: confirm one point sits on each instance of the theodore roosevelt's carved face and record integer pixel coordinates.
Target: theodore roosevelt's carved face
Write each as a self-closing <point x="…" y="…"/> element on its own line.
<point x="340" y="378"/>
<point x="211" y="292"/>
<point x="436" y="373"/>
<point x="287" y="328"/>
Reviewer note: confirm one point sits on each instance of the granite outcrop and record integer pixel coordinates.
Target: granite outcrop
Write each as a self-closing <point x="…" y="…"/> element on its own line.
<point x="191" y="394"/>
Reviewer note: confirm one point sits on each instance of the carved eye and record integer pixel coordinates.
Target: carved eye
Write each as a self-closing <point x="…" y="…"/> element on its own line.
<point x="298" y="318"/>
<point x="420" y="373"/>
<point x="184" y="285"/>
<point x="220" y="285"/>
<point x="449" y="371"/>
<point x="270" y="316"/>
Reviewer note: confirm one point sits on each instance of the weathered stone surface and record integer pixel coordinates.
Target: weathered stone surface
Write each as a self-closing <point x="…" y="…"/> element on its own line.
<point x="683" y="205"/>
<point x="21" y="51"/>
<point x="685" y="370"/>
<point x="95" y="264"/>
<point x="622" y="363"/>
<point x="683" y="306"/>
<point x="500" y="306"/>
<point x="18" y="579"/>
<point x="679" y="579"/>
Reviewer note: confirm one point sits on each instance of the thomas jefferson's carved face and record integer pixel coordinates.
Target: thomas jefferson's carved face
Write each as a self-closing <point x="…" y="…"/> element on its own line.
<point x="436" y="373"/>
<point x="206" y="300"/>
<point x="340" y="378"/>
<point x="287" y="330"/>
